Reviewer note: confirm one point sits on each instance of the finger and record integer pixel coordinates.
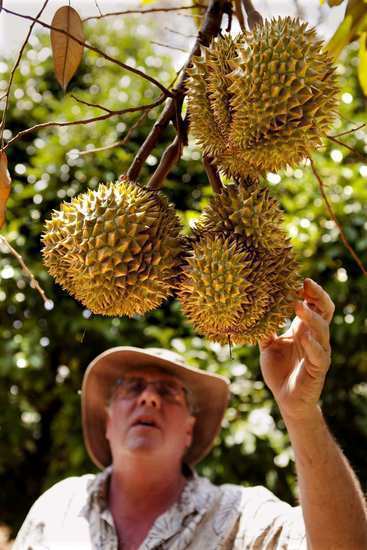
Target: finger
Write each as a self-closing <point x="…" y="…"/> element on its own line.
<point x="315" y="323"/>
<point x="317" y="297"/>
<point x="317" y="356"/>
<point x="266" y="342"/>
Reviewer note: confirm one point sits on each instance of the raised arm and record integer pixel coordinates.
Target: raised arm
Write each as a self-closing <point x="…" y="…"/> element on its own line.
<point x="294" y="367"/>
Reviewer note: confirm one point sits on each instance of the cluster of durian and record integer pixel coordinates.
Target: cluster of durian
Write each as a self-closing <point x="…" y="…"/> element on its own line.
<point x="257" y="102"/>
<point x="263" y="100"/>
<point x="240" y="277"/>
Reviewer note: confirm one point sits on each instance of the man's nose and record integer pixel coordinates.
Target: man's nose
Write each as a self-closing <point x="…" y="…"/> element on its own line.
<point x="150" y="396"/>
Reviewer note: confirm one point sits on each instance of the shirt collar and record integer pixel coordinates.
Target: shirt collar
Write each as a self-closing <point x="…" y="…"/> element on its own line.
<point x="194" y="498"/>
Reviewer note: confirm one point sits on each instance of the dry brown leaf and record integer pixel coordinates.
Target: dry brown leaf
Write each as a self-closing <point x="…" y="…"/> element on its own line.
<point x="5" y="183"/>
<point x="67" y="54"/>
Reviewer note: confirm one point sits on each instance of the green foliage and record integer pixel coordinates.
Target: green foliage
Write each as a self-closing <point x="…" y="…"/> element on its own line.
<point x="44" y="353"/>
<point x="353" y="27"/>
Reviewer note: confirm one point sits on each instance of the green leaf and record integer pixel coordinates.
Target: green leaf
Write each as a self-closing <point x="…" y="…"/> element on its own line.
<point x="340" y="38"/>
<point x="333" y="3"/>
<point x="362" y="66"/>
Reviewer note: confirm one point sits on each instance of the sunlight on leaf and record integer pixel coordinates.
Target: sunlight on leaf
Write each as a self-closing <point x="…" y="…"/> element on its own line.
<point x="362" y="66"/>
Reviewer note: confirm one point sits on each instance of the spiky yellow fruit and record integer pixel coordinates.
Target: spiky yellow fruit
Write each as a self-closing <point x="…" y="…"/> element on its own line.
<point x="241" y="276"/>
<point x="214" y="283"/>
<point x="116" y="249"/>
<point x="263" y="100"/>
<point x="247" y="210"/>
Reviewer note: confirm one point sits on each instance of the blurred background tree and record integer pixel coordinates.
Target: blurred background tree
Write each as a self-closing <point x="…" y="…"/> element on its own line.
<point x="44" y="352"/>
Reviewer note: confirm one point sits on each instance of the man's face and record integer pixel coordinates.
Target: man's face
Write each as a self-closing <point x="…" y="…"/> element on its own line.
<point x="152" y="421"/>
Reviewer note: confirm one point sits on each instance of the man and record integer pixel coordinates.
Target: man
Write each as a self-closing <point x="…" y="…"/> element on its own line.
<point x="148" y="419"/>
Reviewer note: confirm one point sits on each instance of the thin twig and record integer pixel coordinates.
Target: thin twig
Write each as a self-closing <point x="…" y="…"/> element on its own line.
<point x="168" y="46"/>
<point x="121" y="142"/>
<point x="95" y="105"/>
<point x="7" y="93"/>
<point x="95" y="50"/>
<point x="43" y="125"/>
<point x="173" y="31"/>
<point x="334" y="218"/>
<point x="348" y="131"/>
<point x="143" y="12"/>
<point x="357" y="153"/>
<point x="98" y="8"/>
<point x="33" y="281"/>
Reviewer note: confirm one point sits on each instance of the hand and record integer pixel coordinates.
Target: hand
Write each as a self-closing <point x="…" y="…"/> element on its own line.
<point x="294" y="365"/>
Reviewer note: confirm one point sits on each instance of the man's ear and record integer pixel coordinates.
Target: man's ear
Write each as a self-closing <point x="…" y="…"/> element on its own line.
<point x="190" y="429"/>
<point x="108" y="422"/>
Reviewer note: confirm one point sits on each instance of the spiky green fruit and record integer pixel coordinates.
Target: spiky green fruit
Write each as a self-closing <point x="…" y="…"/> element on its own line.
<point x="231" y="293"/>
<point x="214" y="283"/>
<point x="247" y="210"/>
<point x="241" y="276"/>
<point x="116" y="249"/>
<point x="263" y="100"/>
<point x="274" y="286"/>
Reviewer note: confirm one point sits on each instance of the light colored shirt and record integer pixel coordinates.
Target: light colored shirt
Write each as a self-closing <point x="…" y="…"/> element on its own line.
<point x="74" y="515"/>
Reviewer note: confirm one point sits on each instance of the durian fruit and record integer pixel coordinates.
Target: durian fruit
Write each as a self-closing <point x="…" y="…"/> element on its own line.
<point x="214" y="282"/>
<point x="116" y="249"/>
<point x="263" y="100"/>
<point x="248" y="210"/>
<point x="238" y="285"/>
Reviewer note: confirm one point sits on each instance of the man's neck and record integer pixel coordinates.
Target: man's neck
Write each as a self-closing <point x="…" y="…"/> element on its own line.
<point x="139" y="492"/>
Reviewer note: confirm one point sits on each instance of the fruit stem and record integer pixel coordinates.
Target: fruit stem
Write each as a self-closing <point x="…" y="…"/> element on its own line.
<point x="253" y="16"/>
<point x="170" y="156"/>
<point x="239" y="14"/>
<point x="213" y="175"/>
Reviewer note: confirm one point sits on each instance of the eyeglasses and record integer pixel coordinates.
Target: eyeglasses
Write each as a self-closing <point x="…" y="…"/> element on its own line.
<point x="131" y="387"/>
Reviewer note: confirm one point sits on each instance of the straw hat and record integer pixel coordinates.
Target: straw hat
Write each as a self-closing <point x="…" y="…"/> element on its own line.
<point x="210" y="393"/>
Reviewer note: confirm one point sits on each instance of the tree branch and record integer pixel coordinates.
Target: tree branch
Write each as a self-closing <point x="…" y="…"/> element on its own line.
<point x="7" y="93"/>
<point x="109" y="114"/>
<point x="334" y="218"/>
<point x="95" y="50"/>
<point x="210" y="28"/>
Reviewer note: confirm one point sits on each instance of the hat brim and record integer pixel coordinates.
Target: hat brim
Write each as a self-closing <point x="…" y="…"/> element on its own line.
<point x="210" y="391"/>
